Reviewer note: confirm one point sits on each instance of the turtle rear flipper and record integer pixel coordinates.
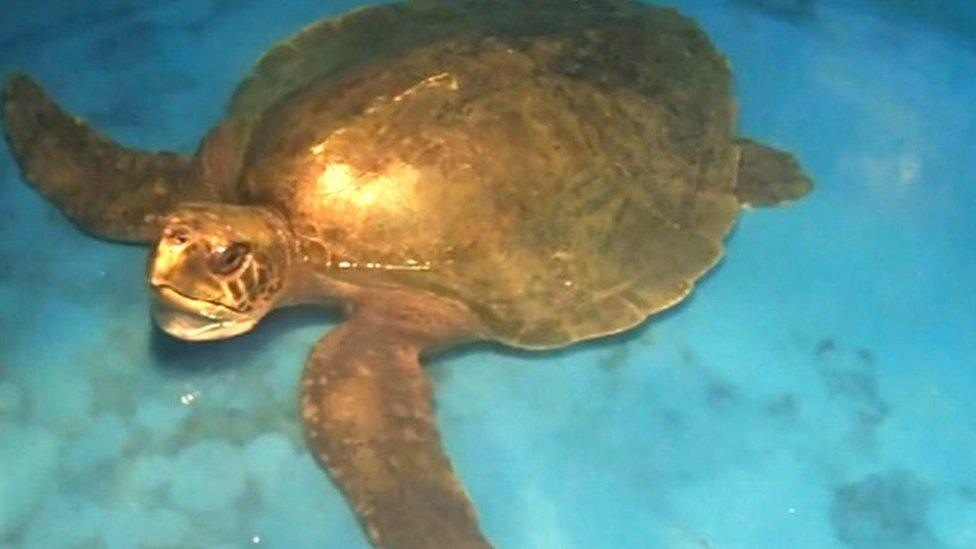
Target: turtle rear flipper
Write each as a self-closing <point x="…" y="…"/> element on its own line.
<point x="768" y="176"/>
<point x="109" y="191"/>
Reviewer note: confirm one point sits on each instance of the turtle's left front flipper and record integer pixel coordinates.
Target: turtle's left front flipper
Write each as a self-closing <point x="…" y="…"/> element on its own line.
<point x="109" y="191"/>
<point x="368" y="418"/>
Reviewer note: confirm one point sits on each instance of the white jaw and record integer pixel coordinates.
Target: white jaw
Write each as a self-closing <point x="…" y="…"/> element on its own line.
<point x="195" y="320"/>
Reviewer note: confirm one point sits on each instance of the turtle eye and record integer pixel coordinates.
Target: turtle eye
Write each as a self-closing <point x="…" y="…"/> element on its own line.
<point x="228" y="259"/>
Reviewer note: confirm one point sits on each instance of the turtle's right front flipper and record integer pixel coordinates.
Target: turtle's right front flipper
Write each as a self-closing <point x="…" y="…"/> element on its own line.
<point x="369" y="419"/>
<point x="109" y="191"/>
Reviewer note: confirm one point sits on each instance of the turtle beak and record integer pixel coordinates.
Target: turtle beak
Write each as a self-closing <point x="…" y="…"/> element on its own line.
<point x="179" y="261"/>
<point x="194" y="320"/>
<point x="159" y="263"/>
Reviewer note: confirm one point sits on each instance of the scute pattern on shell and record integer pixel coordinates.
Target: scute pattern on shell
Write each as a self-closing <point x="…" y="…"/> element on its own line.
<point x="565" y="181"/>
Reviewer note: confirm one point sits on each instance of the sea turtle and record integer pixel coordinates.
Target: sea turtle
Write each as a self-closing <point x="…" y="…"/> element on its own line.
<point x="532" y="172"/>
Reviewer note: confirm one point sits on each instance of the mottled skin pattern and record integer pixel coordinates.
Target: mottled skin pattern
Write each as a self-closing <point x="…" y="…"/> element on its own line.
<point x="534" y="172"/>
<point x="375" y="428"/>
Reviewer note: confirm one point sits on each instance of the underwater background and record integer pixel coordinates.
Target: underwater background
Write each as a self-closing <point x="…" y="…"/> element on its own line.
<point x="818" y="390"/>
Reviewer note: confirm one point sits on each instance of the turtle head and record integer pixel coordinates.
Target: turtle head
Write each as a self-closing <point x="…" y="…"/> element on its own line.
<point x="218" y="269"/>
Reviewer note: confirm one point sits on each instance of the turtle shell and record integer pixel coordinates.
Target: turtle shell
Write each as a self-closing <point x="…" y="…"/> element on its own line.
<point x="564" y="167"/>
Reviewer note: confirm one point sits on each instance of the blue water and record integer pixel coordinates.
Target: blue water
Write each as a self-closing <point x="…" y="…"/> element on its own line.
<point x="817" y="391"/>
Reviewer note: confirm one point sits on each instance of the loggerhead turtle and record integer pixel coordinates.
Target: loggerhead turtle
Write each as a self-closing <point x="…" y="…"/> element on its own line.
<point x="533" y="172"/>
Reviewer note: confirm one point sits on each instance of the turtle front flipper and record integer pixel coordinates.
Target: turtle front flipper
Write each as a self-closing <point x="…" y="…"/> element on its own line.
<point x="109" y="191"/>
<point x="768" y="176"/>
<point x="368" y="417"/>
